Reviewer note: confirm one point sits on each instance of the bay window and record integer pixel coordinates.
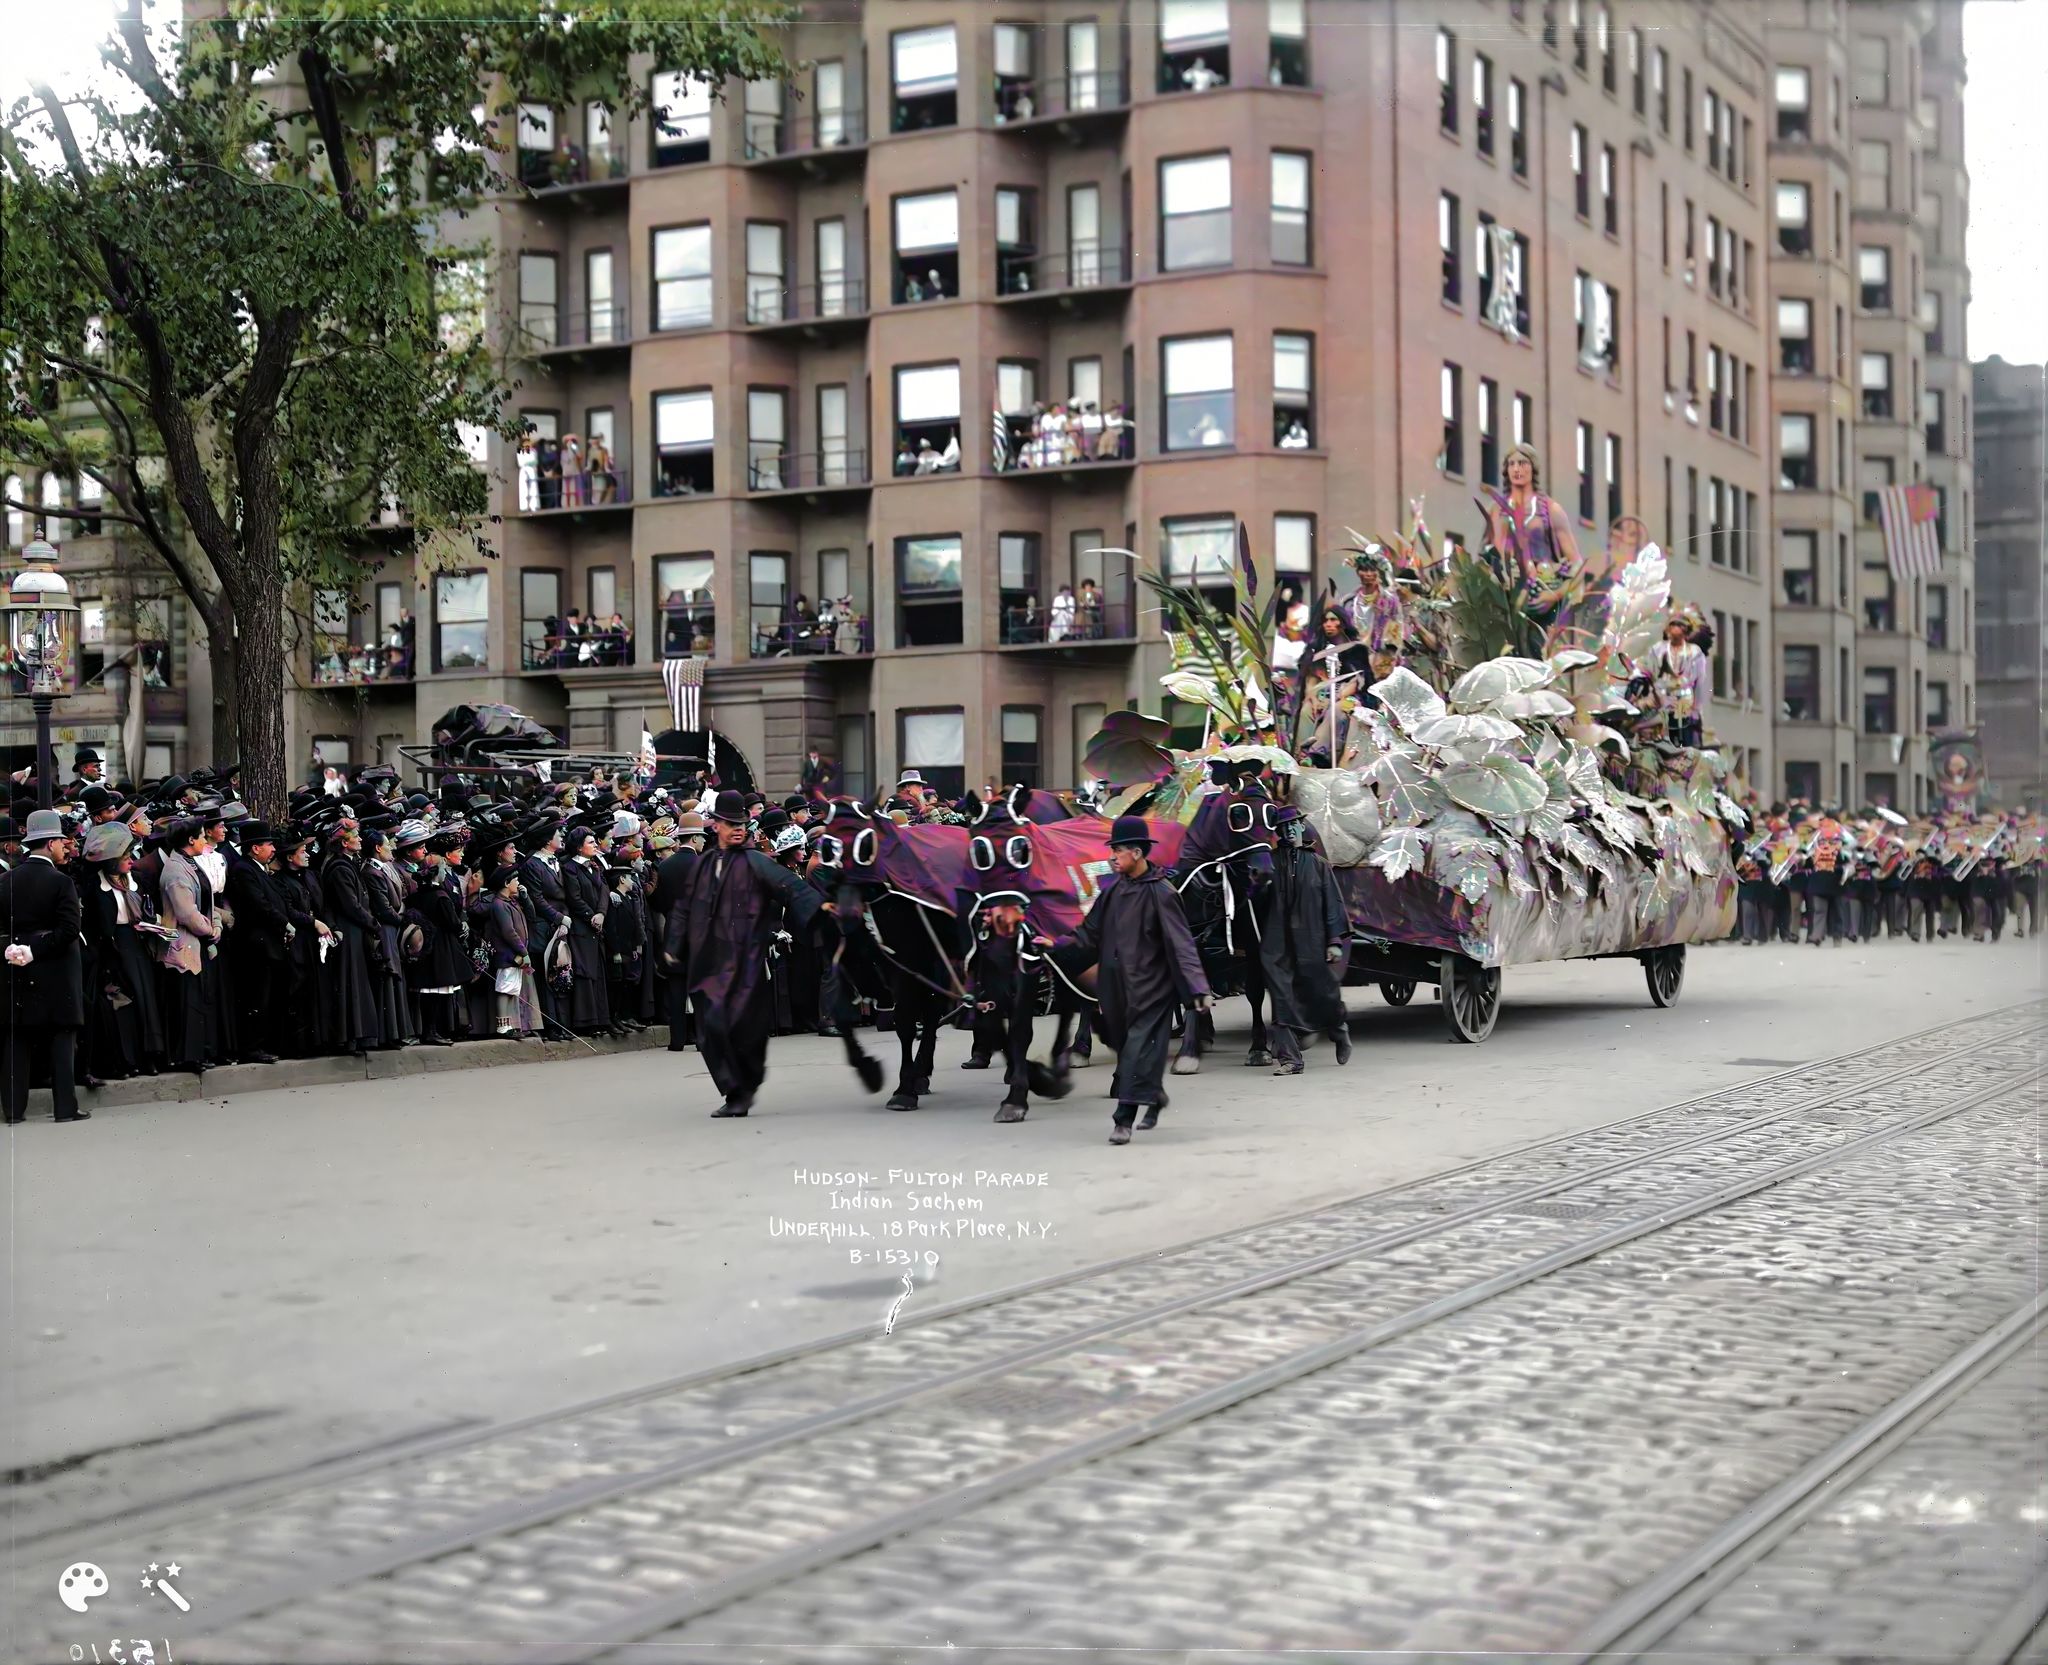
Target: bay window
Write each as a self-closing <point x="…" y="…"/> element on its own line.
<point x="925" y="78"/>
<point x="927" y="249"/>
<point x="1200" y="398"/>
<point x="1194" y="212"/>
<point x="683" y="433"/>
<point x="462" y="621"/>
<point x="928" y="594"/>
<point x="928" y="418"/>
<point x="682" y="277"/>
<point x="1194" y="45"/>
<point x="681" y="112"/>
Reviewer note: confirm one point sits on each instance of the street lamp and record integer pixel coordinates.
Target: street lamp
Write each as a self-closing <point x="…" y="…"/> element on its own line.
<point x="42" y="625"/>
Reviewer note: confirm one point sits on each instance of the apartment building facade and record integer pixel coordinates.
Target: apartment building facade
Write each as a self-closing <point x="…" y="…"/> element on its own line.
<point x="2012" y="577"/>
<point x="1871" y="384"/>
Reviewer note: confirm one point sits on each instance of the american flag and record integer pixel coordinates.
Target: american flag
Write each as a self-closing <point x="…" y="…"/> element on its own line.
<point x="684" y="679"/>
<point x="999" y="441"/>
<point x="1912" y="541"/>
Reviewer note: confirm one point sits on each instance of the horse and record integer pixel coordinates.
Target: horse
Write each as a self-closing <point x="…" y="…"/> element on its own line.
<point x="1224" y="879"/>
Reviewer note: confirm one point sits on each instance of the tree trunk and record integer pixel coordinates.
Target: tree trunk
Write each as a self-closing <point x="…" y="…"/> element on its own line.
<point x="225" y="738"/>
<point x="260" y="677"/>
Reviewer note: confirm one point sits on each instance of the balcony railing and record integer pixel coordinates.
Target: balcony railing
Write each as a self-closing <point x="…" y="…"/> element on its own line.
<point x="1085" y="266"/>
<point x="570" y="165"/>
<point x="843" y="469"/>
<point x="842" y="297"/>
<point x="362" y="666"/>
<point x="583" y="488"/>
<point x="1089" y="92"/>
<point x="1068" y="619"/>
<point x="805" y="132"/>
<point x="841" y="636"/>
<point x="1061" y="438"/>
<point x="588" y="649"/>
<point x="545" y="329"/>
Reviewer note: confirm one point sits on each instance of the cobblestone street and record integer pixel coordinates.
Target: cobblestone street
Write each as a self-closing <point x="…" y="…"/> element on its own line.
<point x="1753" y="1367"/>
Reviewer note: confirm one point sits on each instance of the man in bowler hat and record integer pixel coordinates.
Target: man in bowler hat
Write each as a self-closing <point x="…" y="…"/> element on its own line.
<point x="45" y="988"/>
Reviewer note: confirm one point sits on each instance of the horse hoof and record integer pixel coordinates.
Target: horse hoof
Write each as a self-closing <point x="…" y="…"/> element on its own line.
<point x="1187" y="1064"/>
<point x="870" y="1072"/>
<point x="1010" y="1112"/>
<point x="923" y="1084"/>
<point x="901" y="1101"/>
<point x="1257" y="1058"/>
<point x="1048" y="1083"/>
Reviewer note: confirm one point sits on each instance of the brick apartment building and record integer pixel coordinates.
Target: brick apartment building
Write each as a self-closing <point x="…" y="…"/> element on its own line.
<point x="2012" y="576"/>
<point x="1291" y="261"/>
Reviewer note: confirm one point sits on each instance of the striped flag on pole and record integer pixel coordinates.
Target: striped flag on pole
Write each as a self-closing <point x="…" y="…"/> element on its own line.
<point x="999" y="442"/>
<point x="1912" y="541"/>
<point x="684" y="679"/>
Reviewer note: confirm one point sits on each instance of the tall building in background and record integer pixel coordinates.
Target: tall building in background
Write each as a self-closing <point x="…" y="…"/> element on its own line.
<point x="2012" y="577"/>
<point x="1870" y="205"/>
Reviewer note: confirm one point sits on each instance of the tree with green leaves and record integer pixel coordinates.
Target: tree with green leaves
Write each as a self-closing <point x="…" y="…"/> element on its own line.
<point x="227" y="267"/>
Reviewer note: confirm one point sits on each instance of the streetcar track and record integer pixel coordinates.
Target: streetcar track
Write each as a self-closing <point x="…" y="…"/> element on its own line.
<point x="868" y="1534"/>
<point x="2018" y="1634"/>
<point x="505" y="1519"/>
<point x="1649" y="1613"/>
<point x="255" y="1494"/>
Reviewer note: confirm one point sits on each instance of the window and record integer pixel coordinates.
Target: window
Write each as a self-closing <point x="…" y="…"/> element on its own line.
<point x="1087" y="86"/>
<point x="1937" y="615"/>
<point x="928" y="612"/>
<point x="1015" y="72"/>
<point x="682" y="587"/>
<point x="1613" y="459"/>
<point x="1595" y="306"/>
<point x="925" y="65"/>
<point x="1930" y="318"/>
<point x="1660" y="82"/>
<point x="1874" y="278"/>
<point x="682" y="119"/>
<point x="1525" y="420"/>
<point x="761" y="118"/>
<point x="928" y="418"/>
<point x="1287" y="33"/>
<point x="1797" y="470"/>
<point x="602" y="592"/>
<point x="1873" y="174"/>
<point x="1575" y="11"/>
<point x="1084" y="381"/>
<point x="1873" y="474"/>
<point x="1685" y="107"/>
<point x="1610" y="204"/>
<point x="1291" y="244"/>
<point x="1086" y="265"/>
<point x="604" y="318"/>
<point x="1795" y="337"/>
<point x="1294" y="419"/>
<point x="1451" y="396"/>
<point x="17" y="519"/>
<point x="768" y="439"/>
<point x="767" y="275"/>
<point x="1489" y="429"/>
<point x="1713" y="237"/>
<point x="1016" y="387"/>
<point x="1201" y="407"/>
<point x="1447" y="80"/>
<point x="836" y="297"/>
<point x="927" y="246"/>
<point x="682" y="444"/>
<point x="1717" y="522"/>
<point x="1583" y="455"/>
<point x="462" y="615"/>
<point x="88" y="494"/>
<point x="1482" y="103"/>
<point x="1448" y="247"/>
<point x="1795" y="217"/>
<point x="1937" y="706"/>
<point x="1194" y="212"/>
<point x="1016" y="239"/>
<point x="1636" y="56"/>
<point x="1294" y="545"/>
<point x="1880" y="700"/>
<point x="769" y="631"/>
<point x="539" y="296"/>
<point x="1019" y="737"/>
<point x="1801" y="685"/>
<point x="1582" y="182"/>
<point x="1603" y="40"/>
<point x="1518" y="129"/>
<point x="934" y="743"/>
<point x="1710" y="122"/>
<point x="1874" y="377"/>
<point x="682" y="277"/>
<point x="1798" y="552"/>
<point x="1201" y="550"/>
<point x="838" y="123"/>
<point x="1870" y="69"/>
<point x="1932" y="411"/>
<point x="1194" y="45"/>
<point x="597" y="142"/>
<point x="1794" y="90"/>
<point x="1719" y="665"/>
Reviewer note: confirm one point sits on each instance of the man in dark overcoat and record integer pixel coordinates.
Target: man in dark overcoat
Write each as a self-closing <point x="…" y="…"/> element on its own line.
<point x="719" y="934"/>
<point x="1138" y="936"/>
<point x="1302" y="945"/>
<point x="259" y="948"/>
<point x="40" y="914"/>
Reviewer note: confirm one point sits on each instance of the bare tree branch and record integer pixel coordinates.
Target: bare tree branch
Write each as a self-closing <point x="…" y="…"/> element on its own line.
<point x="95" y="372"/>
<point x="48" y="509"/>
<point x="327" y="113"/>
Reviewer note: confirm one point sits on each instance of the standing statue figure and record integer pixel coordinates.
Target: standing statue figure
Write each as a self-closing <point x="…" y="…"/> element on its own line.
<point x="1374" y="609"/>
<point x="1535" y="532"/>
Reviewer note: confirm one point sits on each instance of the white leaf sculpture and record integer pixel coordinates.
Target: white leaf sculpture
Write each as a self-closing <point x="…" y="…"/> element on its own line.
<point x="1497" y="785"/>
<point x="1571" y="659"/>
<point x="1533" y="702"/>
<point x="1400" y="852"/>
<point x="1497" y="678"/>
<point x="1460" y="727"/>
<point x="1409" y="698"/>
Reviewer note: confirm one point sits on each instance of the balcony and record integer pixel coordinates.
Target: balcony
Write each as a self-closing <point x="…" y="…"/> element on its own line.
<point x="838" y="305"/>
<point x="1068" y="622"/>
<point x="1062" y="104"/>
<point x="1795" y="355"/>
<point x="810" y="139"/>
<point x="1795" y="238"/>
<point x="831" y="635"/>
<point x="574" y="497"/>
<point x="575" y="178"/>
<point x="1066" y="280"/>
<point x="1795" y="125"/>
<point x="345" y="665"/>
<point x="814" y="474"/>
<point x="590" y="648"/>
<point x="549" y="335"/>
<point x="1058" y="443"/>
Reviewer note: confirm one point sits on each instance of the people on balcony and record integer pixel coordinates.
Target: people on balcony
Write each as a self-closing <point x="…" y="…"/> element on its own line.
<point x="1065" y="611"/>
<point x="1077" y="431"/>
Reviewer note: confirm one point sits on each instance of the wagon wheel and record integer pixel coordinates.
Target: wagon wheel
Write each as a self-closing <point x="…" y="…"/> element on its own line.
<point x="1397" y="991"/>
<point x="1664" y="971"/>
<point x="1471" y="997"/>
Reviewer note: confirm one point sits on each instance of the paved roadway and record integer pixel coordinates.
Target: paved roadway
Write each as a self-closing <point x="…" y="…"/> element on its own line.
<point x="1476" y="1412"/>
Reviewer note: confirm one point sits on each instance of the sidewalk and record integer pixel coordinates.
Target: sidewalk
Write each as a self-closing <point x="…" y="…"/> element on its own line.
<point x="175" y="1087"/>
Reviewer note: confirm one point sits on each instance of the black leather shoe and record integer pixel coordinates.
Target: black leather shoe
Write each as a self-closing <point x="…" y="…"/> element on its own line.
<point x="12" y="1120"/>
<point x="734" y="1107"/>
<point x="260" y="1058"/>
<point x="979" y="1061"/>
<point x="75" y="1116"/>
<point x="1343" y="1039"/>
<point x="1120" y="1134"/>
<point x="92" y="1082"/>
<point x="1150" y="1119"/>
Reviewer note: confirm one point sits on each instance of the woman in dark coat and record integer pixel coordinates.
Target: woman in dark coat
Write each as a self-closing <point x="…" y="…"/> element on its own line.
<point x="124" y="1033"/>
<point x="541" y="887"/>
<point x="384" y="890"/>
<point x="299" y="888"/>
<point x="443" y="972"/>
<point x="501" y="920"/>
<point x="347" y="986"/>
<point x="585" y="896"/>
<point x="625" y="941"/>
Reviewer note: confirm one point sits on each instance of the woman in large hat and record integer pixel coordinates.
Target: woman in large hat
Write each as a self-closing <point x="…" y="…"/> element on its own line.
<point x="123" y="1029"/>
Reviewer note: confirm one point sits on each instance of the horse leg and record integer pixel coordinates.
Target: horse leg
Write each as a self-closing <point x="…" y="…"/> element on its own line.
<point x="928" y="1045"/>
<point x="867" y="1067"/>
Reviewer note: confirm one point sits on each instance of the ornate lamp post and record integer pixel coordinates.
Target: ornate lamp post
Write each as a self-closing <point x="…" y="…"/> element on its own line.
<point x="42" y="628"/>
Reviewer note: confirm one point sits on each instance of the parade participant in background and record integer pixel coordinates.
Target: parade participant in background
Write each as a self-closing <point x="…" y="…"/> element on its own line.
<point x="1373" y="609"/>
<point x="1302" y="946"/>
<point x="718" y="936"/>
<point x="1827" y="844"/>
<point x="44" y="987"/>
<point x="1678" y="671"/>
<point x="1534" y="531"/>
<point x="1003" y="990"/>
<point x="259" y="946"/>
<point x="1139" y="937"/>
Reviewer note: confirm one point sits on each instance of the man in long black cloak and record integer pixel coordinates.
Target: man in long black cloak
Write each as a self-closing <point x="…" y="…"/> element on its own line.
<point x="1302" y="947"/>
<point x="1138" y="936"/>
<point x="719" y="930"/>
